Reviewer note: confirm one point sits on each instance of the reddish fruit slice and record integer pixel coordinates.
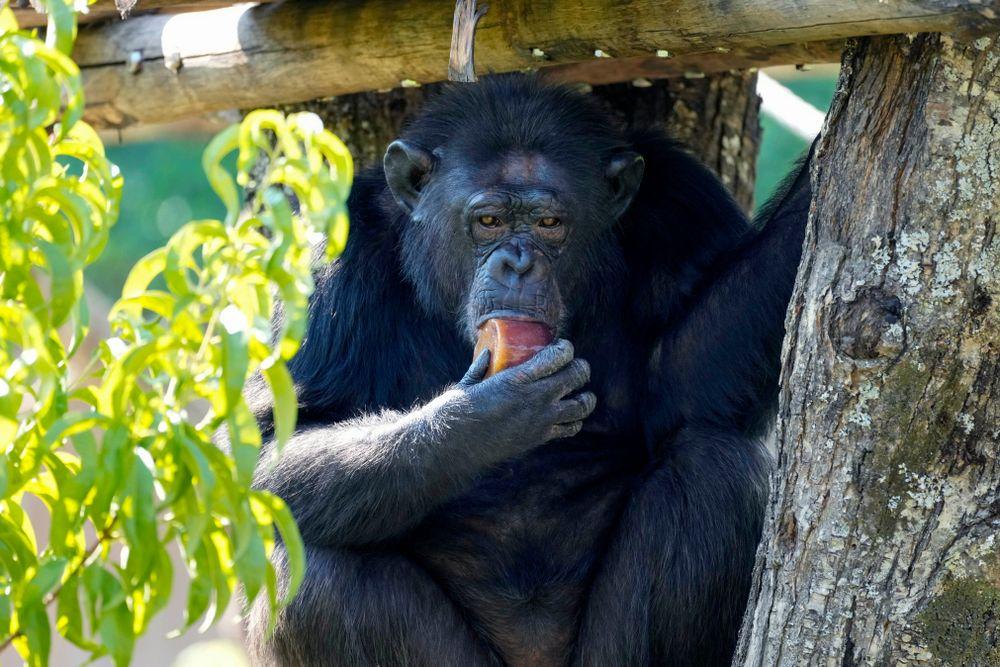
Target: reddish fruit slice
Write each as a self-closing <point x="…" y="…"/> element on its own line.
<point x="511" y="342"/>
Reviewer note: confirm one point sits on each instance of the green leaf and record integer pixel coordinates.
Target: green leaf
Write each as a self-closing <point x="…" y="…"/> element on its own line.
<point x="143" y="273"/>
<point x="244" y="441"/>
<point x="279" y="513"/>
<point x="198" y="464"/>
<point x="201" y="587"/>
<point x="222" y="145"/>
<point x="251" y="564"/>
<point x="6" y="616"/>
<point x="116" y="633"/>
<point x="223" y="577"/>
<point x="4" y="475"/>
<point x="17" y="548"/>
<point x="69" y="619"/>
<point x="61" y="30"/>
<point x="44" y="580"/>
<point x="138" y="518"/>
<point x="35" y="640"/>
<point x="160" y="584"/>
<point x="235" y="361"/>
<point x="285" y="409"/>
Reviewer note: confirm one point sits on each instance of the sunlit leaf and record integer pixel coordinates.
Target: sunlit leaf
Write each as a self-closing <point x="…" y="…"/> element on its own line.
<point x="44" y="580"/>
<point x="285" y="523"/>
<point x="285" y="402"/>
<point x="34" y="640"/>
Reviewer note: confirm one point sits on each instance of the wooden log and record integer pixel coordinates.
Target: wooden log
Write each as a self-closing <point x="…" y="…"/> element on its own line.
<point x="102" y="10"/>
<point x="602" y="71"/>
<point x="250" y="56"/>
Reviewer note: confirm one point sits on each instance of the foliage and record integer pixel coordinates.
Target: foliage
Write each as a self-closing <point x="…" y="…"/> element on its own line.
<point x="155" y="204"/>
<point x="118" y="458"/>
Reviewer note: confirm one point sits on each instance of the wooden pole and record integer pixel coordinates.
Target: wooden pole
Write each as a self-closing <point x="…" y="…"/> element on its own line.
<point x="30" y="17"/>
<point x="461" y="59"/>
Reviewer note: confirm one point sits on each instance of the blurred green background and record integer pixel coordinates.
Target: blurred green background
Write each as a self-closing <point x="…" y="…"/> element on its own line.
<point x="780" y="148"/>
<point x="165" y="186"/>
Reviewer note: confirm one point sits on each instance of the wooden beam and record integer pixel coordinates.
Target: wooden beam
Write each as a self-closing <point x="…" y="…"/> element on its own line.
<point x="250" y="56"/>
<point x="600" y="71"/>
<point x="103" y="10"/>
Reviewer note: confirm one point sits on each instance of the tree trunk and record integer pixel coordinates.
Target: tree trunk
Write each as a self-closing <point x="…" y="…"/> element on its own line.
<point x="715" y="115"/>
<point x="880" y="546"/>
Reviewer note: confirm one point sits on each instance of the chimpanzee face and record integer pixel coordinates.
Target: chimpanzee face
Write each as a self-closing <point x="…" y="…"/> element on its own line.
<point x="504" y="238"/>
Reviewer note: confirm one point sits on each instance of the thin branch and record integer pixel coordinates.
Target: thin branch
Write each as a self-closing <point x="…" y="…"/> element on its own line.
<point x="53" y="595"/>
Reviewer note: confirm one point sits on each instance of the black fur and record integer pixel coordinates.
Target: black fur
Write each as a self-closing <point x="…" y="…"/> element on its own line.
<point x="448" y="524"/>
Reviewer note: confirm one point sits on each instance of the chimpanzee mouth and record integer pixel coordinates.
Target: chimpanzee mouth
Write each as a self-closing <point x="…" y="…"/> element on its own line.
<point x="508" y="314"/>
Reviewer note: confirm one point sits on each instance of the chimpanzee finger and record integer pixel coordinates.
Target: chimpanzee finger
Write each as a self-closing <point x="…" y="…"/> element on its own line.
<point x="575" y="408"/>
<point x="477" y="371"/>
<point x="569" y="379"/>
<point x="564" y="430"/>
<point x="548" y="361"/>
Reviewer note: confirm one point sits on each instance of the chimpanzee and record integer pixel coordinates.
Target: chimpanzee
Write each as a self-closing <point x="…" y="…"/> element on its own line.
<point x="599" y="504"/>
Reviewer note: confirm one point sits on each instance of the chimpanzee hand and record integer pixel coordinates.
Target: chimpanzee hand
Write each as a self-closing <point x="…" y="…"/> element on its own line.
<point x="531" y="403"/>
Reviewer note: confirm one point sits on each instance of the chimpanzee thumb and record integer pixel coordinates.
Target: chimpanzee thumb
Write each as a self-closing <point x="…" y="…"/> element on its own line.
<point x="477" y="371"/>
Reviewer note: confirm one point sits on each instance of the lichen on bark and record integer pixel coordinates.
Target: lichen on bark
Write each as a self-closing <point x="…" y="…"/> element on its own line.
<point x="961" y="625"/>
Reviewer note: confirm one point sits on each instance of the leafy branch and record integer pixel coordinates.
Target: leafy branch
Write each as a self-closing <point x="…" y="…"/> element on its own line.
<point x="125" y="453"/>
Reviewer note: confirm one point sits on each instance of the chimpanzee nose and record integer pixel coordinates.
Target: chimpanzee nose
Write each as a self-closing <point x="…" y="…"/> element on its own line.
<point x="513" y="264"/>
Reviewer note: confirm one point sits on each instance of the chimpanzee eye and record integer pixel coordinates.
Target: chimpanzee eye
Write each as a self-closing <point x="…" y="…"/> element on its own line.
<point x="488" y="221"/>
<point x="549" y="222"/>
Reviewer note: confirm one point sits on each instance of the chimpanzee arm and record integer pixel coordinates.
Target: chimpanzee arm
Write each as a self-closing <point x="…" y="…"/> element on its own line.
<point x="672" y="585"/>
<point x="719" y="363"/>
<point x="371" y="479"/>
<point x="368" y="479"/>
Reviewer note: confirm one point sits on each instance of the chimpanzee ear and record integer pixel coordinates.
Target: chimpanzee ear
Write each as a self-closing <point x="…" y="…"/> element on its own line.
<point x="624" y="174"/>
<point x="406" y="168"/>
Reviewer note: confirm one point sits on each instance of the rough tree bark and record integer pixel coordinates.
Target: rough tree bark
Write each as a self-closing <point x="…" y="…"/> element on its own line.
<point x="880" y="546"/>
<point x="715" y="115"/>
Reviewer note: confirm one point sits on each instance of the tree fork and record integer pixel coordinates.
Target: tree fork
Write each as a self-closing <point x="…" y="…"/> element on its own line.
<point x="880" y="545"/>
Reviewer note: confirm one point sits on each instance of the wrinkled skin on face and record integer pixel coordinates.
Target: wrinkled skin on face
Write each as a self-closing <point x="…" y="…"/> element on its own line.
<point x="519" y="228"/>
<point x="506" y="239"/>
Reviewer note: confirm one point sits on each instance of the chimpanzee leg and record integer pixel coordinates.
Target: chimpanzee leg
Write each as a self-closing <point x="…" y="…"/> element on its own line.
<point x="364" y="608"/>
<point x="674" y="582"/>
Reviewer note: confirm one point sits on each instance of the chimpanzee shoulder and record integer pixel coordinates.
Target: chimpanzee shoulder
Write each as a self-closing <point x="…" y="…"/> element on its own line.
<point x="368" y="344"/>
<point x="681" y="227"/>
